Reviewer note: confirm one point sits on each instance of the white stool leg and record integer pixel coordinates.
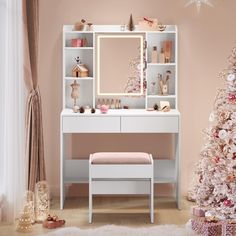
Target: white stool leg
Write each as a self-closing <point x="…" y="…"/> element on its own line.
<point x="90" y="196"/>
<point x="90" y="207"/>
<point x="152" y="201"/>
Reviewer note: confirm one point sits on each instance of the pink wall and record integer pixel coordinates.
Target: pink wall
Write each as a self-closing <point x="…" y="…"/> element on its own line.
<point x="205" y="41"/>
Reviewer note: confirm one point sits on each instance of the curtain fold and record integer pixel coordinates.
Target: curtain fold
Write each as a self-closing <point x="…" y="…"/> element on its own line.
<point x="34" y="124"/>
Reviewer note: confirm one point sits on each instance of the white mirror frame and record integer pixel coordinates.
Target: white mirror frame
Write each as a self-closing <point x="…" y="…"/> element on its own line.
<point x="99" y="37"/>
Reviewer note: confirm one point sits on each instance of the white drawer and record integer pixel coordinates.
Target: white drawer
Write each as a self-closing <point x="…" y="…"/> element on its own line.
<point x="86" y="124"/>
<point x="153" y="124"/>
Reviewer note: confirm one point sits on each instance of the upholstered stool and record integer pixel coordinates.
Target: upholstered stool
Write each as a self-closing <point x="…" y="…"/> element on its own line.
<point x="121" y="173"/>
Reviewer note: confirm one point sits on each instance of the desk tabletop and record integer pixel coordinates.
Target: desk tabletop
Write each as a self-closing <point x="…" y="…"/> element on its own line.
<point x="121" y="112"/>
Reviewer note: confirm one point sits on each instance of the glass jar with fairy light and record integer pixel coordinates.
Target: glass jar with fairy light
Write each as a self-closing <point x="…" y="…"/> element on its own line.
<point x="42" y="201"/>
<point x="29" y="204"/>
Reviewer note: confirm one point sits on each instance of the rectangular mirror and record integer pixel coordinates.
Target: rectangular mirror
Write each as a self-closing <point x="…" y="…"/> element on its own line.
<point x="119" y="64"/>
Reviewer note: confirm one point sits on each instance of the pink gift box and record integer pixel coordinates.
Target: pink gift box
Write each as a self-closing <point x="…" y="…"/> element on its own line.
<point x="198" y="211"/>
<point x="201" y="226"/>
<point x="228" y="229"/>
<point x="77" y="42"/>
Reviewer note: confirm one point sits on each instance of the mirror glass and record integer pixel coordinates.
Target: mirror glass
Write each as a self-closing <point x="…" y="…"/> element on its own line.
<point x="119" y="64"/>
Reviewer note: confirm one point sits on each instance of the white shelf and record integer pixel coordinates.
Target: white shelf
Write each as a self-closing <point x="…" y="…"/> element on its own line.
<point x="161" y="64"/>
<point x="76" y="180"/>
<point x="164" y="181"/>
<point x="79" y="48"/>
<point x="78" y="78"/>
<point x="117" y="28"/>
<point x="78" y="32"/>
<point x="162" y="32"/>
<point x="161" y="96"/>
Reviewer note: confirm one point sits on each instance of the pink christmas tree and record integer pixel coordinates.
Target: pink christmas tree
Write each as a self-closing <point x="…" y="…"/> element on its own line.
<point x="215" y="186"/>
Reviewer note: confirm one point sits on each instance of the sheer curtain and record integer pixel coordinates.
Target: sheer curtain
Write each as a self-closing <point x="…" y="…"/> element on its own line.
<point x="12" y="109"/>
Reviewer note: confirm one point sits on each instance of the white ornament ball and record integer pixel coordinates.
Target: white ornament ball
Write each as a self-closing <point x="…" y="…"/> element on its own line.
<point x="212" y="117"/>
<point x="223" y="134"/>
<point x="232" y="88"/>
<point x="231" y="77"/>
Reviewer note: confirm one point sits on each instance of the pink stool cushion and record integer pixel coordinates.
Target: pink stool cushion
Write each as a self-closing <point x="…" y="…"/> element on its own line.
<point x="120" y="158"/>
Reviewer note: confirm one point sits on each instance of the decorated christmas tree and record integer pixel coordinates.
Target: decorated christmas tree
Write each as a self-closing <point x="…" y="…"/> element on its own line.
<point x="215" y="185"/>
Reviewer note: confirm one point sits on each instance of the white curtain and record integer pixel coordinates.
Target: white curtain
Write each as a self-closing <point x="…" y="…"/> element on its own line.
<point x="12" y="109"/>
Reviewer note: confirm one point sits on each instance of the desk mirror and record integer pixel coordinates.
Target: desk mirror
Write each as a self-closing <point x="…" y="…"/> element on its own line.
<point x="119" y="64"/>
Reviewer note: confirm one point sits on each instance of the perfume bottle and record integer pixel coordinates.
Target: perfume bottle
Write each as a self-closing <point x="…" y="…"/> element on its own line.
<point x="162" y="56"/>
<point x="112" y="104"/>
<point x="108" y="103"/>
<point x="154" y="55"/>
<point x="153" y="88"/>
<point x="98" y="104"/>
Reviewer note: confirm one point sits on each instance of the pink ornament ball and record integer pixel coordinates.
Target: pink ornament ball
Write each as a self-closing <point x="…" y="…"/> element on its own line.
<point x="227" y="203"/>
<point x="216" y="159"/>
<point x="231" y="97"/>
<point x="104" y="109"/>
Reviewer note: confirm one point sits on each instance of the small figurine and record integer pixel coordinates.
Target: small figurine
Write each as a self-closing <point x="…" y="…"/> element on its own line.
<point x="79" y="26"/>
<point x="131" y="23"/>
<point x="80" y="69"/>
<point x="155" y="107"/>
<point x="161" y="27"/>
<point x="75" y="91"/>
<point x="81" y="110"/>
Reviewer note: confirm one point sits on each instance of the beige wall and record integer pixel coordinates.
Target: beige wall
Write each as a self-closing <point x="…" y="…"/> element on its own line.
<point x="205" y="41"/>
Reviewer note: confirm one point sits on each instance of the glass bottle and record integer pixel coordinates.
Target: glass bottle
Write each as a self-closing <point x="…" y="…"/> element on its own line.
<point x="154" y="55"/>
<point x="42" y="201"/>
<point x="162" y="56"/>
<point x="98" y="104"/>
<point x="29" y="205"/>
<point x="153" y="88"/>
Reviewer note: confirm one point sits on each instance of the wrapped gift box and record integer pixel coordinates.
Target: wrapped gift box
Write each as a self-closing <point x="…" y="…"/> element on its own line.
<point x="77" y="42"/>
<point x="205" y="228"/>
<point x="198" y="211"/>
<point x="229" y="229"/>
<point x="148" y="24"/>
<point x="52" y="224"/>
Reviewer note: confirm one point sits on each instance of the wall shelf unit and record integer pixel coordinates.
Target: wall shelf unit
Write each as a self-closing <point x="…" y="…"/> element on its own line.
<point x="88" y="57"/>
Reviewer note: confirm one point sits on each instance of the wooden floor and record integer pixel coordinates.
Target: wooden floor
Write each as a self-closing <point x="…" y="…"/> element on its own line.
<point x="128" y="211"/>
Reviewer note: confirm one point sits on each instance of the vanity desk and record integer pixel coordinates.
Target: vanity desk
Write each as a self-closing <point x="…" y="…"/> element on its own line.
<point x="120" y="121"/>
<point x="95" y="87"/>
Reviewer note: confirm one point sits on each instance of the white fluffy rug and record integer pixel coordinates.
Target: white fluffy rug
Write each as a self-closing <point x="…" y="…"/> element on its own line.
<point x="113" y="230"/>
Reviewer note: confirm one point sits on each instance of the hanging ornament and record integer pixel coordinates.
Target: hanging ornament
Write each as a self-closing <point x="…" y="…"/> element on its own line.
<point x="231" y="77"/>
<point x="223" y="134"/>
<point x="212" y="117"/>
<point x="199" y="3"/>
<point x="216" y="159"/>
<point x="232" y="98"/>
<point x="227" y="203"/>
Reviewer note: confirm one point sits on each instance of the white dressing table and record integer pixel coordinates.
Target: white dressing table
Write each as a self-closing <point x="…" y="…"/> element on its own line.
<point x="120" y="121"/>
<point x="123" y="121"/>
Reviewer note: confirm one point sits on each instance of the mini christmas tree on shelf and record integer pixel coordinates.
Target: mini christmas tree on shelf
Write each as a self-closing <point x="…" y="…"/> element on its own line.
<point x="215" y="185"/>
